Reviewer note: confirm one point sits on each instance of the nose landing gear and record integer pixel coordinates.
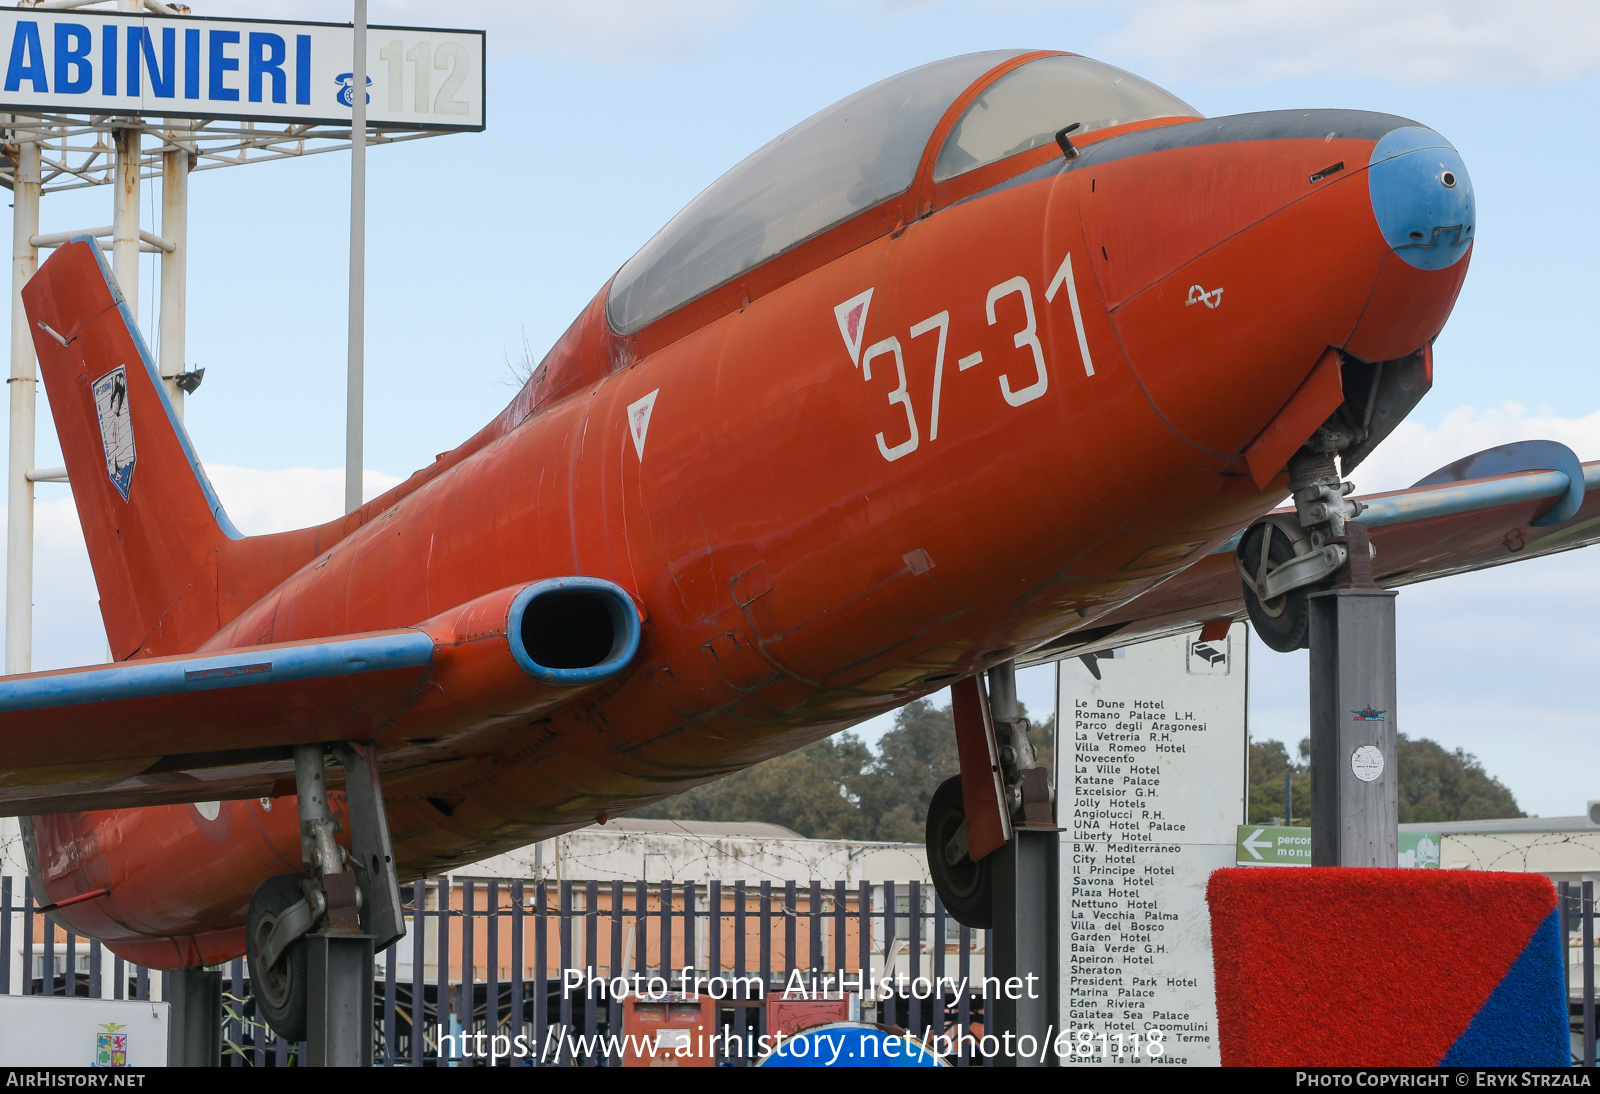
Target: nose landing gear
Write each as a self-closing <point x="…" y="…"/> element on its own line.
<point x="1283" y="558"/>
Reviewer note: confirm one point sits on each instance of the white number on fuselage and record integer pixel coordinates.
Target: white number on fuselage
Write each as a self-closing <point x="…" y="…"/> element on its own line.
<point x="898" y="395"/>
<point x="1027" y="337"/>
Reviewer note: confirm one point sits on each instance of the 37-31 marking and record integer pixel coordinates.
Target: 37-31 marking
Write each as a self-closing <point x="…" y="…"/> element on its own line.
<point x="852" y="318"/>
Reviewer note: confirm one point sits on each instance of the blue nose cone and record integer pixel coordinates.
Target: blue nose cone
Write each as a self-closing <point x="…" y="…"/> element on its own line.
<point x="1422" y="197"/>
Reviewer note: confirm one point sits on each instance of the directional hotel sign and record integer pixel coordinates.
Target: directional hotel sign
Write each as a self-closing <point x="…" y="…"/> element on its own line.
<point x="80" y="62"/>
<point x="1266" y="845"/>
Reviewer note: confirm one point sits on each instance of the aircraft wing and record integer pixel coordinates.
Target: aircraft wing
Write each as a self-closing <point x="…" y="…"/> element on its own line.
<point x="1500" y="506"/>
<point x="210" y="726"/>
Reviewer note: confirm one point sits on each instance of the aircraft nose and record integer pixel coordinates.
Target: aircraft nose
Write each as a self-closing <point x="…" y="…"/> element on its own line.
<point x="1234" y="251"/>
<point x="1422" y="197"/>
<point x="1424" y="207"/>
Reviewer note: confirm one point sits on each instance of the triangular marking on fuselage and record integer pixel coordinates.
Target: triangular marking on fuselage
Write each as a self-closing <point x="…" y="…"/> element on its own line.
<point x="852" y="317"/>
<point x="639" y="420"/>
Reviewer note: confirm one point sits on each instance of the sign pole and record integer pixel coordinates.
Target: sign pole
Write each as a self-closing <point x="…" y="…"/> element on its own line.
<point x="174" y="266"/>
<point x="355" y="389"/>
<point x="24" y="388"/>
<point x="125" y="215"/>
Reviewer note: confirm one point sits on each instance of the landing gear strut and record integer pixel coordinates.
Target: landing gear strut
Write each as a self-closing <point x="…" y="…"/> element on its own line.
<point x="1283" y="559"/>
<point x="993" y="852"/>
<point x="311" y="937"/>
<point x="1308" y="583"/>
<point x="1001" y="789"/>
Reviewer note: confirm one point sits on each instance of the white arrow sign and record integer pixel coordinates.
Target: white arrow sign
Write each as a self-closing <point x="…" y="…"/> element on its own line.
<point x="1254" y="846"/>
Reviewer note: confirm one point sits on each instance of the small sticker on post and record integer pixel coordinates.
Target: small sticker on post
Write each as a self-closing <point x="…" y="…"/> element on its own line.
<point x="1366" y="763"/>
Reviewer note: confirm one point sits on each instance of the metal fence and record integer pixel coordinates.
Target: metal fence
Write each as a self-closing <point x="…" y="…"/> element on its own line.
<point x="1577" y="917"/>
<point x="487" y="956"/>
<point x="499" y="954"/>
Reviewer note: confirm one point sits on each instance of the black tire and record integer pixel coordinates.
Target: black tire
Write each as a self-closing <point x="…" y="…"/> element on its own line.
<point x="1284" y="622"/>
<point x="965" y="887"/>
<point x="280" y="991"/>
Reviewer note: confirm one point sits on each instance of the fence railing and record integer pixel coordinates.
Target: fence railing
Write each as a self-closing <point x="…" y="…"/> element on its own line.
<point x="1577" y="918"/>
<point x="544" y="960"/>
<point x="487" y="956"/>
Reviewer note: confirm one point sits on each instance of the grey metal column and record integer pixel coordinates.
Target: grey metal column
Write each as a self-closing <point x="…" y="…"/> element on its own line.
<point x="23" y="387"/>
<point x="194" y="1030"/>
<point x="174" y="267"/>
<point x="338" y="999"/>
<point x="1354" y="780"/>
<point x="1027" y="944"/>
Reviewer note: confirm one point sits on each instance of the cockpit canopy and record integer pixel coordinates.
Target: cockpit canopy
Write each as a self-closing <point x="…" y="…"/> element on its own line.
<point x="862" y="151"/>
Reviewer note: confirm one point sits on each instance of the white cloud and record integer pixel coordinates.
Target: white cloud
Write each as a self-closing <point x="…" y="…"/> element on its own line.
<point x="1420" y="42"/>
<point x="259" y="502"/>
<point x="1413" y="450"/>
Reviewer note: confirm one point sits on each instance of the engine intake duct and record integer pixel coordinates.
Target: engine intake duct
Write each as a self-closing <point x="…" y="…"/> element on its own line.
<point x="572" y="630"/>
<point x="518" y="652"/>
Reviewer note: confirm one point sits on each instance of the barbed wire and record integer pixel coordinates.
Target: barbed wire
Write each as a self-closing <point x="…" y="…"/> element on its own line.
<point x="1518" y="848"/>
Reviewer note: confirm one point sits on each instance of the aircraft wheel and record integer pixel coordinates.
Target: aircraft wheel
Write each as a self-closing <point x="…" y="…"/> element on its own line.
<point x="1284" y="622"/>
<point x="281" y="990"/>
<point x="966" y="887"/>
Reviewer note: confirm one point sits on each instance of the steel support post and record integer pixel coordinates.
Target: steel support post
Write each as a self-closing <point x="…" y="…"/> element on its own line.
<point x="125" y="217"/>
<point x="338" y="999"/>
<point x="1027" y="944"/>
<point x="24" y="383"/>
<point x="194" y="1029"/>
<point x="1354" y="778"/>
<point x="174" y="263"/>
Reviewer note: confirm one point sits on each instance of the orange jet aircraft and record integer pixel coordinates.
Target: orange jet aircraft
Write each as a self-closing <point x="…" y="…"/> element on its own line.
<point x="992" y="361"/>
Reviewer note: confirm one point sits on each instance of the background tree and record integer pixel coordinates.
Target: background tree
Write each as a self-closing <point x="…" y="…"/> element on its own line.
<point x="1439" y="785"/>
<point x="841" y="789"/>
<point x="804" y="790"/>
<point x="912" y="760"/>
<point x="1268" y="762"/>
<point x="1435" y="784"/>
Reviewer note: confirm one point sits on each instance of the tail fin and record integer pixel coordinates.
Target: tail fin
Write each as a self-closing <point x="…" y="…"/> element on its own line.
<point x="152" y="522"/>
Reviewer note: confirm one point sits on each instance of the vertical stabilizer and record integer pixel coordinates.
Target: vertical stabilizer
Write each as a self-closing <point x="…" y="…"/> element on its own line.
<point x="153" y="525"/>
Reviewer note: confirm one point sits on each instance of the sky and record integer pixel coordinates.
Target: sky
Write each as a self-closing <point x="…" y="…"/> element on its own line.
<point x="604" y="118"/>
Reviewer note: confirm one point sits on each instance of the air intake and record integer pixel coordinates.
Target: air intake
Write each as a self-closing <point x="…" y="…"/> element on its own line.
<point x="572" y="630"/>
